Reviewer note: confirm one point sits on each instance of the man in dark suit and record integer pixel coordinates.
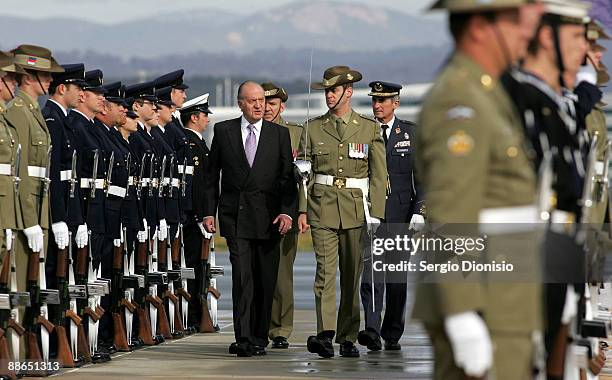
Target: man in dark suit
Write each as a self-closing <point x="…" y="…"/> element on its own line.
<point x="256" y="205"/>
<point x="404" y="205"/>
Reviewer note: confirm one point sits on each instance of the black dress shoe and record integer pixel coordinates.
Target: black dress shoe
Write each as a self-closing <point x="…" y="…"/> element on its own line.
<point x="320" y="345"/>
<point x="348" y="350"/>
<point x="258" y="350"/>
<point x="108" y="348"/>
<point x="159" y="339"/>
<point x="100" y="357"/>
<point x="392" y="346"/>
<point x="232" y="348"/>
<point x="370" y="339"/>
<point x="244" y="350"/>
<point x="177" y="335"/>
<point x="280" y="342"/>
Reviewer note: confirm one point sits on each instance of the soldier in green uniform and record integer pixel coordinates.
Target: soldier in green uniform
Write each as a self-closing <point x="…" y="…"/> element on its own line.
<point x="24" y="115"/>
<point x="474" y="167"/>
<point x="10" y="211"/>
<point x="281" y="320"/>
<point x="347" y="191"/>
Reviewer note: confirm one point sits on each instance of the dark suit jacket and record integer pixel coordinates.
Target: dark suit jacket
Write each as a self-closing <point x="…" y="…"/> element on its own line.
<point x="171" y="203"/>
<point x="63" y="140"/>
<point x="199" y="152"/>
<point x="406" y="197"/>
<point x="251" y="198"/>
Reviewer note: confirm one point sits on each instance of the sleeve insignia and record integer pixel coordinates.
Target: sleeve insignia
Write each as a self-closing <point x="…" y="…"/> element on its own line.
<point x="460" y="144"/>
<point x="460" y="113"/>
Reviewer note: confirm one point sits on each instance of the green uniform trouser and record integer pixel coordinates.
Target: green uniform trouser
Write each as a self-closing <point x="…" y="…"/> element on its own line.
<point x="333" y="248"/>
<point x="281" y="319"/>
<point x="512" y="356"/>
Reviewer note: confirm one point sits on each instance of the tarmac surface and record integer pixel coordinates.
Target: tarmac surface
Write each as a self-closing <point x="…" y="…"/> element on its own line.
<point x="206" y="355"/>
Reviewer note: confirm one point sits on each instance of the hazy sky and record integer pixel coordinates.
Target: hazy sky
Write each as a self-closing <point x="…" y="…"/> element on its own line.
<point x="111" y="11"/>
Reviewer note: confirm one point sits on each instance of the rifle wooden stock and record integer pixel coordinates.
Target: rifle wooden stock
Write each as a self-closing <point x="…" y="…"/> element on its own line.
<point x="128" y="305"/>
<point x="155" y="301"/>
<point x="163" y="323"/>
<point x="5" y="357"/>
<point x="183" y="293"/>
<point x="33" y="352"/>
<point x="176" y="251"/>
<point x="100" y="311"/>
<point x="83" y="344"/>
<point x="64" y="354"/>
<point x="91" y="313"/>
<point x="162" y="257"/>
<point x="6" y="268"/>
<point x="555" y="364"/>
<point x="215" y="293"/>
<point x="144" y="327"/>
<point x="120" y="338"/>
<point x="141" y="257"/>
<point x="81" y="267"/>
<point x="178" y="321"/>
<point x="62" y="263"/>
<point x="206" y="324"/>
<point x="118" y="258"/>
<point x="19" y="329"/>
<point x="33" y="264"/>
<point x="170" y="296"/>
<point x="73" y="317"/>
<point x="44" y="322"/>
<point x="205" y="249"/>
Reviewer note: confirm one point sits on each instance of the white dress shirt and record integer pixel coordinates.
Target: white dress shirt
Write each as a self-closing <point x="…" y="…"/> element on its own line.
<point x="390" y="124"/>
<point x="244" y="130"/>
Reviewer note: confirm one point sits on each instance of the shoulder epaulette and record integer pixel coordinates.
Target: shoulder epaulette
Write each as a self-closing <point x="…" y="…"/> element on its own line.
<point x="366" y="117"/>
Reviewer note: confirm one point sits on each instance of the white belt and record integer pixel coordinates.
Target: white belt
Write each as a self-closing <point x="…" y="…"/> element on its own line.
<point x="349" y="183"/>
<point x="508" y="219"/>
<point x="131" y="181"/>
<point x="166" y="182"/>
<point x="65" y="175"/>
<point x="5" y="169"/>
<point x="117" y="191"/>
<point x="154" y="183"/>
<point x="599" y="168"/>
<point x="37" y="171"/>
<point x="145" y="182"/>
<point x="188" y="169"/>
<point x="86" y="183"/>
<point x="176" y="182"/>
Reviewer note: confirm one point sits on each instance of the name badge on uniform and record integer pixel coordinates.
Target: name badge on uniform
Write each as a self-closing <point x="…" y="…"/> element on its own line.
<point x="402" y="144"/>
<point x="358" y="150"/>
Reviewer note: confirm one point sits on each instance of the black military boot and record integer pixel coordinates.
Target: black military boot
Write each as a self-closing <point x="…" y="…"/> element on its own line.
<point x="348" y="350"/>
<point x="370" y="339"/>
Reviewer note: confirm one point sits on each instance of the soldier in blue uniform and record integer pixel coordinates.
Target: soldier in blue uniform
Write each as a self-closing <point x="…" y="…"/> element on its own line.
<point x="88" y="142"/>
<point x="66" y="212"/>
<point x="404" y="210"/>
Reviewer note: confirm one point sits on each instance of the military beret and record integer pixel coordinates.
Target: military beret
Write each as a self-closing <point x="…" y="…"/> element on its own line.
<point x="37" y="58"/>
<point x="384" y="89"/>
<point x="73" y="74"/>
<point x="336" y="76"/>
<point x="94" y="80"/>
<point x="164" y="97"/>
<point x="144" y="91"/>
<point x="173" y="79"/>
<point x="198" y="104"/>
<point x="273" y="91"/>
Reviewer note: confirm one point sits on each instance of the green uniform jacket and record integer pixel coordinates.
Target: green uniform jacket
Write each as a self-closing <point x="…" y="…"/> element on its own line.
<point x="471" y="156"/>
<point x="295" y="132"/>
<point x="10" y="210"/>
<point x="24" y="115"/>
<point x="329" y="206"/>
<point x="596" y="122"/>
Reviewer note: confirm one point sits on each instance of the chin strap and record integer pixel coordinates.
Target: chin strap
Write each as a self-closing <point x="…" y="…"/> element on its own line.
<point x="8" y="89"/>
<point x="40" y="83"/>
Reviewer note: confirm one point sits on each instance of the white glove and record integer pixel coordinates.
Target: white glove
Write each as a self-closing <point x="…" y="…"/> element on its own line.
<point x="570" y="309"/>
<point x="9" y="239"/>
<point x="207" y="235"/>
<point x="374" y="223"/>
<point x="417" y="222"/>
<point x="470" y="342"/>
<point x="142" y="235"/>
<point x="81" y="236"/>
<point x="163" y="230"/>
<point x="587" y="73"/>
<point x="60" y="231"/>
<point x="35" y="237"/>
